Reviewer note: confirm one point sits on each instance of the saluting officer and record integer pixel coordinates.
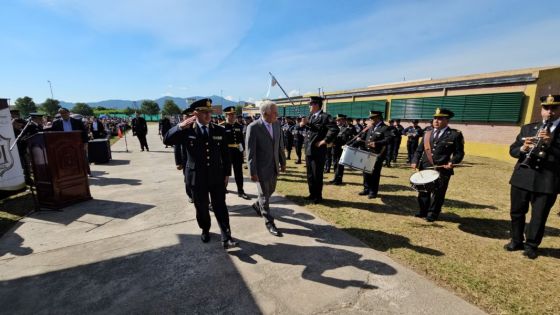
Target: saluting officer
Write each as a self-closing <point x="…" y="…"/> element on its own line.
<point x="535" y="178"/>
<point x="234" y="140"/>
<point x="297" y="131"/>
<point x="321" y="131"/>
<point x="346" y="133"/>
<point x="375" y="140"/>
<point x="209" y="167"/>
<point x="414" y="133"/>
<point x="441" y="148"/>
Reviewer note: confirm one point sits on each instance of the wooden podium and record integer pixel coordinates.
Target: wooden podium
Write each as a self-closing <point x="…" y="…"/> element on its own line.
<point x="59" y="168"/>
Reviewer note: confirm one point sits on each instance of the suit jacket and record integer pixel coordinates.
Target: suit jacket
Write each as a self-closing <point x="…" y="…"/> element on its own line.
<point x="139" y="126"/>
<point x="207" y="157"/>
<point x="76" y="125"/>
<point x="544" y="177"/>
<point x="100" y="133"/>
<point x="319" y="127"/>
<point x="264" y="154"/>
<point x="450" y="147"/>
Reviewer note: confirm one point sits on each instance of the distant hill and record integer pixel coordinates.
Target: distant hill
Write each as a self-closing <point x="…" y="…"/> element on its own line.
<point x="180" y="101"/>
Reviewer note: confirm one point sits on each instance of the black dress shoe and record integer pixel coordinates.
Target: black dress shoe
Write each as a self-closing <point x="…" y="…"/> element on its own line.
<point x="431" y="218"/>
<point x="298" y="162"/>
<point x="332" y="181"/>
<point x="205" y="237"/>
<point x="309" y="197"/>
<point x="372" y="196"/>
<point x="317" y="201"/>
<point x="420" y="215"/>
<point x="338" y="183"/>
<point x="512" y="246"/>
<point x="363" y="193"/>
<point x="273" y="230"/>
<point x="230" y="244"/>
<point x="530" y="252"/>
<point x="257" y="209"/>
<point x="243" y="195"/>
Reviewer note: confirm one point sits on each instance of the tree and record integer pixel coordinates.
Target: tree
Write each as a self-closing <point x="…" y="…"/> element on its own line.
<point x="25" y="105"/>
<point x="101" y="108"/>
<point x="238" y="110"/>
<point x="129" y="111"/>
<point x="82" y="109"/>
<point x="170" y="108"/>
<point x="149" y="107"/>
<point x="50" y="106"/>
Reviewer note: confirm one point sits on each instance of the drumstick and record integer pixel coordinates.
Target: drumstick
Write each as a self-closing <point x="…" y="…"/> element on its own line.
<point x="440" y="166"/>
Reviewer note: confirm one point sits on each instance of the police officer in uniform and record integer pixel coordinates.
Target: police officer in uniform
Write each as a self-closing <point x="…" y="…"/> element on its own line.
<point x="181" y="157"/>
<point x="287" y="132"/>
<point x="536" y="177"/>
<point x="298" y="132"/>
<point x="413" y="133"/>
<point x="209" y="167"/>
<point x="375" y="140"/>
<point x="234" y="140"/>
<point x="398" y="138"/>
<point x="345" y="134"/>
<point x="35" y="122"/>
<point x="442" y="148"/>
<point x="321" y="131"/>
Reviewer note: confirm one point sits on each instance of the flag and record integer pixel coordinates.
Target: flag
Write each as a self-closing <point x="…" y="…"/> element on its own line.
<point x="273" y="82"/>
<point x="119" y="132"/>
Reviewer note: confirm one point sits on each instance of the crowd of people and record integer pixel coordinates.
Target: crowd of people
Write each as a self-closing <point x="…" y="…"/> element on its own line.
<point x="206" y="149"/>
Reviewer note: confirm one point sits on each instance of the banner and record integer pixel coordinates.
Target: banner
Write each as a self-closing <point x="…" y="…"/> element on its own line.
<point x="11" y="172"/>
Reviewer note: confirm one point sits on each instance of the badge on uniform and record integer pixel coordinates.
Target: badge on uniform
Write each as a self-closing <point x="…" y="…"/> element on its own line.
<point x="192" y="137"/>
<point x="217" y="137"/>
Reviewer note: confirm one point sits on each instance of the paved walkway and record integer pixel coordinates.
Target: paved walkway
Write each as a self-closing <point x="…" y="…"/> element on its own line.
<point x="135" y="248"/>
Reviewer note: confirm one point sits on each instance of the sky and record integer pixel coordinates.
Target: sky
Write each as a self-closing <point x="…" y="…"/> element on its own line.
<point x="140" y="49"/>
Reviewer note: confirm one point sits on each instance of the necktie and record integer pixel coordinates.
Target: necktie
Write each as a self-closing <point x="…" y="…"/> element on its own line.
<point x="204" y="131"/>
<point x="436" y="134"/>
<point x="269" y="128"/>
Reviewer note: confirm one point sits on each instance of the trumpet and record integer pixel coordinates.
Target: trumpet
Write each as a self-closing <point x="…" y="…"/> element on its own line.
<point x="537" y="150"/>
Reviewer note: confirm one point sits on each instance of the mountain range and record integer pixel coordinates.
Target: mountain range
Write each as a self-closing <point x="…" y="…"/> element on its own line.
<point x="180" y="101"/>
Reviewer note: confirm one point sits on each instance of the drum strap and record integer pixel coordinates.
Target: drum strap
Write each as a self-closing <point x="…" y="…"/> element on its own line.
<point x="428" y="147"/>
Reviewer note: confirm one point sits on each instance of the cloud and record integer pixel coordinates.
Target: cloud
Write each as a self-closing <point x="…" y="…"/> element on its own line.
<point x="229" y="98"/>
<point x="294" y="93"/>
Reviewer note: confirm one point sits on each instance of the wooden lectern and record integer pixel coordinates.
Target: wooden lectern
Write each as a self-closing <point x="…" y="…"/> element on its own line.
<point x="59" y="168"/>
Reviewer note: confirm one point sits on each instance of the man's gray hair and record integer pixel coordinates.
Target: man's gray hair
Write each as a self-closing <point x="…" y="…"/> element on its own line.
<point x="266" y="106"/>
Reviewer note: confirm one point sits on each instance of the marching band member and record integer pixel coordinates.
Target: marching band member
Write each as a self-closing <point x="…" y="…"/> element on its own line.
<point x="345" y="134"/>
<point x="535" y="178"/>
<point x="441" y="148"/>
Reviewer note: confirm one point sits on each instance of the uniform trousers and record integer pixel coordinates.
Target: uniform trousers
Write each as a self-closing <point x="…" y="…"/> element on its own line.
<point x="299" y="146"/>
<point x="315" y="164"/>
<point x="540" y="208"/>
<point x="217" y="193"/>
<point x="236" y="158"/>
<point x="411" y="146"/>
<point x="371" y="181"/>
<point x="431" y="203"/>
<point x="396" y="147"/>
<point x="338" y="168"/>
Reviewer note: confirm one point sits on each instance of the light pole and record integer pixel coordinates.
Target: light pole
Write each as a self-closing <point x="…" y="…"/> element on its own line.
<point x="50" y="85"/>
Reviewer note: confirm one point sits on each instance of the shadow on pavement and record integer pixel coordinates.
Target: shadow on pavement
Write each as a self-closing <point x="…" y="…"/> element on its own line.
<point x="187" y="278"/>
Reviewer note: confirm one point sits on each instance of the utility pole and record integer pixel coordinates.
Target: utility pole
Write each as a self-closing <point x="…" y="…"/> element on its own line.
<point x="50" y="85"/>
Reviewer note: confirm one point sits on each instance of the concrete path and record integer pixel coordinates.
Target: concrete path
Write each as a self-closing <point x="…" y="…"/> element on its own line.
<point x="135" y="248"/>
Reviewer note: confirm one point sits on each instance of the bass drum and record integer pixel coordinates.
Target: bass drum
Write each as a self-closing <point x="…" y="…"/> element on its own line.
<point x="425" y="181"/>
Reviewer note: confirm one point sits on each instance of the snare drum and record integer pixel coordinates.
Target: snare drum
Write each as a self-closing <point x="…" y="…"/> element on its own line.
<point x="425" y="181"/>
<point x="358" y="159"/>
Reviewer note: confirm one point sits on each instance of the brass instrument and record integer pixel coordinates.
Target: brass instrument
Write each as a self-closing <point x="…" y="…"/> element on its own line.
<point x="538" y="150"/>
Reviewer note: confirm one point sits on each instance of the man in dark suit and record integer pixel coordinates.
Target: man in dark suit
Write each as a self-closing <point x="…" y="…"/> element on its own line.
<point x="536" y="177"/>
<point x="346" y="133"/>
<point x="96" y="128"/>
<point x="441" y="148"/>
<point x="164" y="126"/>
<point x="234" y="140"/>
<point x="140" y="130"/>
<point x="181" y="157"/>
<point x="208" y="166"/>
<point x="375" y="139"/>
<point x="321" y="131"/>
<point x="299" y="139"/>
<point x="413" y="133"/>
<point x="67" y="123"/>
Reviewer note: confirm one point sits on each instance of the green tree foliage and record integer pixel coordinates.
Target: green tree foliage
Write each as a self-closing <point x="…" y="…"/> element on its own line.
<point x="101" y="108"/>
<point x="25" y="105"/>
<point x="238" y="110"/>
<point x="82" y="109"/>
<point x="129" y="111"/>
<point x="170" y="108"/>
<point x="50" y="106"/>
<point x="149" y="107"/>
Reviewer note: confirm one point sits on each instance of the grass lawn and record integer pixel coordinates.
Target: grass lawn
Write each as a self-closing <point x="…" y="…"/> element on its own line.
<point x="463" y="250"/>
<point x="14" y="208"/>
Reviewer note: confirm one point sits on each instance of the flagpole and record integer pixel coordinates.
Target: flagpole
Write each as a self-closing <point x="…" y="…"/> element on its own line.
<point x="273" y="78"/>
